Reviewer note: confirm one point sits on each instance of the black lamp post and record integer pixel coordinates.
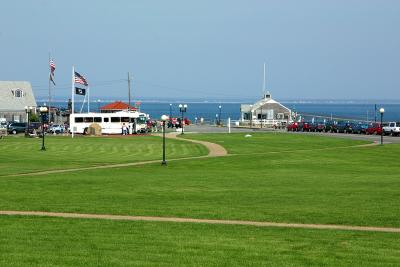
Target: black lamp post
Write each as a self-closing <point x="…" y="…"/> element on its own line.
<point x="164" y="119"/>
<point x="170" y="116"/>
<point x="182" y="109"/>
<point x="43" y="111"/>
<point x="381" y="110"/>
<point x="28" y="111"/>
<point x="251" y="116"/>
<point x="219" y="117"/>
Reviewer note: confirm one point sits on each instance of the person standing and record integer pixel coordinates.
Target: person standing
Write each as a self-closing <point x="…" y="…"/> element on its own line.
<point x="124" y="129"/>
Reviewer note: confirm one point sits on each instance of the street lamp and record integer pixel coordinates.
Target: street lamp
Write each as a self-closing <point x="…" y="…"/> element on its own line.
<point x="251" y="116"/>
<point x="381" y="110"/>
<point x="43" y="111"/>
<point x="164" y="118"/>
<point x="98" y="105"/>
<point x="219" y="117"/>
<point x="28" y="111"/>
<point x="182" y="109"/>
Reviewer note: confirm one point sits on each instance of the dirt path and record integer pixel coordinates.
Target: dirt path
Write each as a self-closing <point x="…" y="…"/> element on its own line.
<point x="215" y="150"/>
<point x="207" y="221"/>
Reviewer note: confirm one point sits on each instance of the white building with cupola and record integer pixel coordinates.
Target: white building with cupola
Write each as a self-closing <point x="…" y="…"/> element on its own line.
<point x="266" y="111"/>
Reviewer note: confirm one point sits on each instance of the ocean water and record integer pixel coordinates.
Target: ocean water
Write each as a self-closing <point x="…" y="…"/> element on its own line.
<point x="210" y="111"/>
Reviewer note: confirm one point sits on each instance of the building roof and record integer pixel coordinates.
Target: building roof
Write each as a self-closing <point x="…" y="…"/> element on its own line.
<point x="15" y="95"/>
<point x="264" y="102"/>
<point x="117" y="105"/>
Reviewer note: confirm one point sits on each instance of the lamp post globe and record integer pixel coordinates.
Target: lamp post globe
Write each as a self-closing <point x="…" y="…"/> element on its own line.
<point x="164" y="119"/>
<point x="381" y="111"/>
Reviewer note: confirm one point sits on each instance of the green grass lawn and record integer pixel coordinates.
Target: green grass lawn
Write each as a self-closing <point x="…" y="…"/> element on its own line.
<point x="237" y="143"/>
<point x="27" y="241"/>
<point x="21" y="155"/>
<point x="356" y="186"/>
<point x="306" y="179"/>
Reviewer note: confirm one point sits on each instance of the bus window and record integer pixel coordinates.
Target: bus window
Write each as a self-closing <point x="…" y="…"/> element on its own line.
<point x="88" y="119"/>
<point x="115" y="119"/>
<point x="141" y="120"/>
<point x="78" y="119"/>
<point x="106" y="119"/>
<point x="97" y="119"/>
<point x="125" y="119"/>
<point x="132" y="120"/>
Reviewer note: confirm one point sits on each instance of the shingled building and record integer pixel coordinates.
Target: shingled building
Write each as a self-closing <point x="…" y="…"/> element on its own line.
<point x="266" y="111"/>
<point x="14" y="97"/>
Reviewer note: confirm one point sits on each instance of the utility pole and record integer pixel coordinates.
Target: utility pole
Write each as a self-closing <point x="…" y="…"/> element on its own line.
<point x="129" y="92"/>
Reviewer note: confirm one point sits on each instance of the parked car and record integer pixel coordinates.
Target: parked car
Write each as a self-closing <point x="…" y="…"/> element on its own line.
<point x="392" y="128"/>
<point x="330" y="126"/>
<point x="57" y="128"/>
<point x="360" y="128"/>
<point x="293" y="127"/>
<point x="307" y="127"/>
<point x="16" y="127"/>
<point x="374" y="128"/>
<point x="320" y="127"/>
<point x="344" y="127"/>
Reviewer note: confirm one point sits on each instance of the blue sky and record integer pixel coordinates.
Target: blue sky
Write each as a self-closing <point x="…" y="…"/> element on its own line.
<point x="206" y="49"/>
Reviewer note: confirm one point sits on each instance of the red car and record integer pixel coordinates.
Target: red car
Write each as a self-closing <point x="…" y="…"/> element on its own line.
<point x="374" y="128"/>
<point x="294" y="127"/>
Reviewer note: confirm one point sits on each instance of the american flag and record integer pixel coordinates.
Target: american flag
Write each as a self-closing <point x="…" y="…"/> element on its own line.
<point x="80" y="79"/>
<point x="52" y="66"/>
<point x="51" y="77"/>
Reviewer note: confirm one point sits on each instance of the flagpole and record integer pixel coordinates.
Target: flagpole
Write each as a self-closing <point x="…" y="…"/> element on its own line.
<point x="88" y="99"/>
<point x="73" y="101"/>
<point x="49" y="88"/>
<point x="129" y="92"/>
<point x="264" y="81"/>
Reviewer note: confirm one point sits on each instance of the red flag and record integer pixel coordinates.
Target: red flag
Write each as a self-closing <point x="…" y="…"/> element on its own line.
<point x="52" y="66"/>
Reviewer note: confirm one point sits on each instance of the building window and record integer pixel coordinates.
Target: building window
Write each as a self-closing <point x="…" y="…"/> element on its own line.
<point x="18" y="93"/>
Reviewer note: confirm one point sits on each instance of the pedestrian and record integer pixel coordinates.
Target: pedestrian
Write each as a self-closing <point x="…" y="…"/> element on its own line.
<point x="124" y="129"/>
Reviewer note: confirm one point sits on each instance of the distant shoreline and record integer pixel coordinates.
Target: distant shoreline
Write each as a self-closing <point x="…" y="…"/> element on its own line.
<point x="244" y="101"/>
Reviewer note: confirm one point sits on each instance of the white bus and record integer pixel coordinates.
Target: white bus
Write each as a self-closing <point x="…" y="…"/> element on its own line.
<point x="110" y="123"/>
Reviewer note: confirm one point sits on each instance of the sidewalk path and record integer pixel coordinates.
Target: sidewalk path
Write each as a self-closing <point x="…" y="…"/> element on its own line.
<point x="207" y="221"/>
<point x="215" y="150"/>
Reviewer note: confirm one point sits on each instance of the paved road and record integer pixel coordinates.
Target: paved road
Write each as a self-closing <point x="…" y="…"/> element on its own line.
<point x="214" y="129"/>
